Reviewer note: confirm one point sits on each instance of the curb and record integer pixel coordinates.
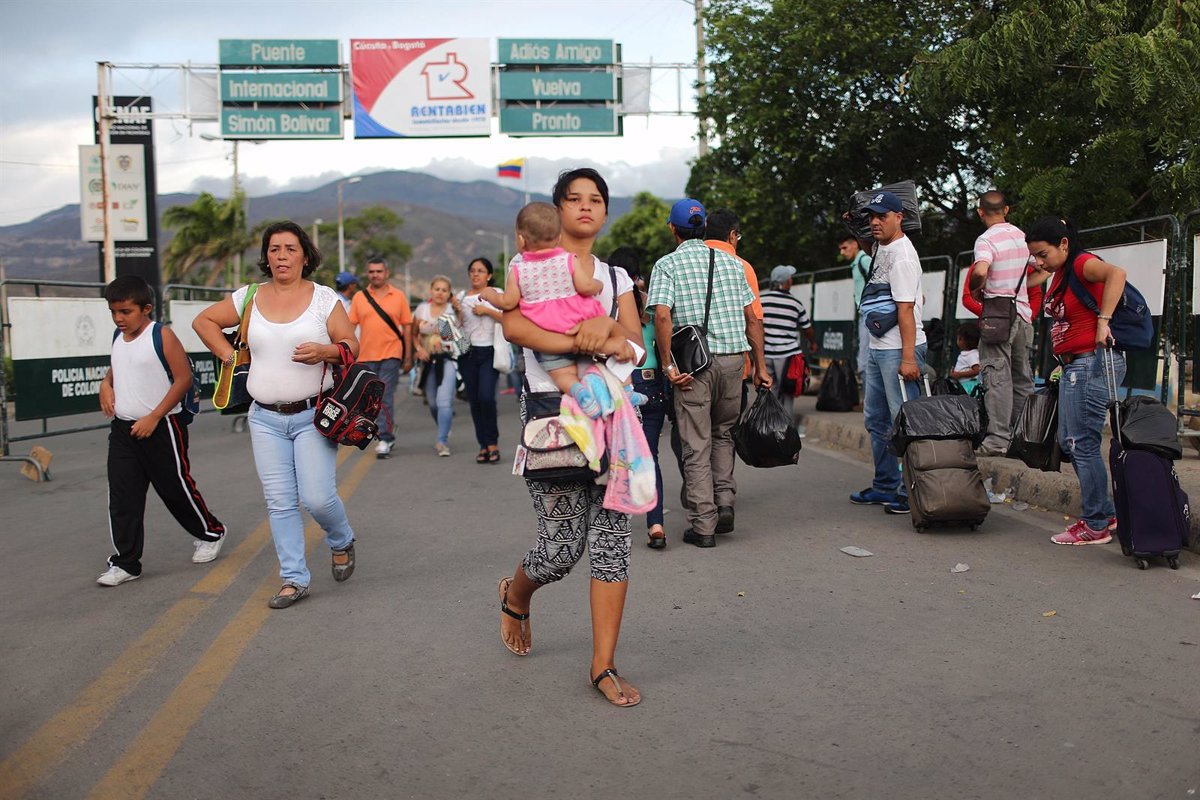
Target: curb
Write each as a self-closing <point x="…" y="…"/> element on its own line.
<point x="1056" y="491"/>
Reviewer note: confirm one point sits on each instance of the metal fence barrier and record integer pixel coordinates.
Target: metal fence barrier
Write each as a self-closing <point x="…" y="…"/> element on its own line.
<point x="26" y="287"/>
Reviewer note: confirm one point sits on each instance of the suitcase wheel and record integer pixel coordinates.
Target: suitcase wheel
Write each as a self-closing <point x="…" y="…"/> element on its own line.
<point x="1126" y="550"/>
<point x="1173" y="562"/>
<point x="1143" y="563"/>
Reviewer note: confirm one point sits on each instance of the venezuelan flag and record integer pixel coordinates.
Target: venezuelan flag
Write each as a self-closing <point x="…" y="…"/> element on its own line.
<point x="511" y="169"/>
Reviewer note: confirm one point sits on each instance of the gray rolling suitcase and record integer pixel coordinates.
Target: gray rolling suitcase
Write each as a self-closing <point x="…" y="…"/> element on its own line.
<point x="944" y="484"/>
<point x="942" y="476"/>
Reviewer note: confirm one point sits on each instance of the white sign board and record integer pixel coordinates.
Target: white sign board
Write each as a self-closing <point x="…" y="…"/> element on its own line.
<point x="1196" y="274"/>
<point x="833" y="301"/>
<point x="181" y="313"/>
<point x="933" y="284"/>
<point x="421" y="87"/>
<point x="1145" y="264"/>
<point x="59" y="327"/>
<point x="126" y="193"/>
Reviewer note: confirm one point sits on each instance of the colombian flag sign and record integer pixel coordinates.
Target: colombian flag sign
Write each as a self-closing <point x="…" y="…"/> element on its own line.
<point x="511" y="169"/>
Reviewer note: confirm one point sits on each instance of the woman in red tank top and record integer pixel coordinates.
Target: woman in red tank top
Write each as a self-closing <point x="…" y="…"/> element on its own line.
<point x="1079" y="336"/>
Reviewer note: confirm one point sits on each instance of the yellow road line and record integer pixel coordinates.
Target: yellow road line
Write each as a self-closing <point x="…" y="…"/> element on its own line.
<point x="148" y="755"/>
<point x="51" y="743"/>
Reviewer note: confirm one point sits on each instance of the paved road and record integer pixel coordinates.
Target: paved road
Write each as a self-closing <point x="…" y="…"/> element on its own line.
<point x="772" y="666"/>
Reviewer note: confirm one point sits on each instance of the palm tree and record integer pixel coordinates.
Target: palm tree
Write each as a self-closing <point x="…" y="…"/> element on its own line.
<point x="208" y="233"/>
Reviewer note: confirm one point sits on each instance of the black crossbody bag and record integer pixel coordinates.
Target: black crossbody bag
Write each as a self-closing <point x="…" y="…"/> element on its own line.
<point x="390" y="322"/>
<point x="689" y="343"/>
<point x="998" y="315"/>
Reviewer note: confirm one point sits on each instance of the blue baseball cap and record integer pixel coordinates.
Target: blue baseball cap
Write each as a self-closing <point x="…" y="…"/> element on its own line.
<point x="684" y="211"/>
<point x="344" y="279"/>
<point x="883" y="202"/>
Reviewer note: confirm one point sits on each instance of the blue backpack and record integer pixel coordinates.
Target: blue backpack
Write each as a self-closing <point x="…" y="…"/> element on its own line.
<point x="1131" y="326"/>
<point x="189" y="406"/>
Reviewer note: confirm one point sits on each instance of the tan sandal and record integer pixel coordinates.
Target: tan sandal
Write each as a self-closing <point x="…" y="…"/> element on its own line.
<point x="522" y="618"/>
<point x="612" y="675"/>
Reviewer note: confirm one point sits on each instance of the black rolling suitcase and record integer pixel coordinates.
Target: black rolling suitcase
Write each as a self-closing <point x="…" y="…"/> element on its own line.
<point x="935" y="438"/>
<point x="1153" y="516"/>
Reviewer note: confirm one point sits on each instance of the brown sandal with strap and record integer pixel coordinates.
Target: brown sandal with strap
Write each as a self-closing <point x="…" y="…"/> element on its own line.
<point x="522" y="618"/>
<point x="616" y="679"/>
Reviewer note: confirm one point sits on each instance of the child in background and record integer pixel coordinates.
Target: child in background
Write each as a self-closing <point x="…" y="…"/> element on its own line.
<point x="555" y="296"/>
<point x="966" y="369"/>
<point x="148" y="444"/>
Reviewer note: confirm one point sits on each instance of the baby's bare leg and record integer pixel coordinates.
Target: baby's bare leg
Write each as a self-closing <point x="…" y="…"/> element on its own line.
<point x="565" y="378"/>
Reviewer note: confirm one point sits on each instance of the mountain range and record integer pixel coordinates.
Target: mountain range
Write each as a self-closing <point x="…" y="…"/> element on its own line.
<point x="441" y="220"/>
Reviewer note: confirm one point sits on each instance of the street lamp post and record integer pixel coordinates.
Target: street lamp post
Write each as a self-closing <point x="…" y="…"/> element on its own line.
<point x="341" y="223"/>
<point x="316" y="237"/>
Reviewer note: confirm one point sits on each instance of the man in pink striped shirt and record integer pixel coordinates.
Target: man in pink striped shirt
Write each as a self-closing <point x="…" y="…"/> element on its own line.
<point x="1001" y="257"/>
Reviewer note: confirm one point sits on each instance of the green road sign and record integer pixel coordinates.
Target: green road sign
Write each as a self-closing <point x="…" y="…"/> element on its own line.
<point x="280" y="53"/>
<point x="281" y="87"/>
<point x="569" y="86"/>
<point x="560" y="121"/>
<point x="557" y="51"/>
<point x="281" y="123"/>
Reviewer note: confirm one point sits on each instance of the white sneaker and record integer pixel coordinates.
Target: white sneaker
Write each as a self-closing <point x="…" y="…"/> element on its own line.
<point x="115" y="576"/>
<point x="383" y="448"/>
<point x="207" y="551"/>
<point x="442" y="450"/>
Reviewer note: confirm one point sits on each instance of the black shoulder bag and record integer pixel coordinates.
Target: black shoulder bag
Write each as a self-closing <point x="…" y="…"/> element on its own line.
<point x="998" y="314"/>
<point x="390" y="322"/>
<point x="689" y="343"/>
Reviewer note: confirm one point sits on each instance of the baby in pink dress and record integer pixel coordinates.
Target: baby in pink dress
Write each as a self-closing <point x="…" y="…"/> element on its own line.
<point x="552" y="294"/>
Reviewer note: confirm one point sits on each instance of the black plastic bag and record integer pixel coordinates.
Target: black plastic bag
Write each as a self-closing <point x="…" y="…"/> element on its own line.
<point x="860" y="224"/>
<point x="1035" y="436"/>
<point x="947" y="386"/>
<point x="839" y="388"/>
<point x="1146" y="424"/>
<point x="947" y="416"/>
<point x="764" y="436"/>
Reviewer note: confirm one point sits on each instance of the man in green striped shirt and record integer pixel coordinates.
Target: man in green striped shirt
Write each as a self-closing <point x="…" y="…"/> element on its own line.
<point x="706" y="404"/>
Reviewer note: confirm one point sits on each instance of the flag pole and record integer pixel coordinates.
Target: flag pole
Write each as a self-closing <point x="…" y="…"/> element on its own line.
<point x="525" y="172"/>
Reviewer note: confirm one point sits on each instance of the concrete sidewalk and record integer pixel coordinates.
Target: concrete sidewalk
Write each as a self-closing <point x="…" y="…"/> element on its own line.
<point x="1053" y="491"/>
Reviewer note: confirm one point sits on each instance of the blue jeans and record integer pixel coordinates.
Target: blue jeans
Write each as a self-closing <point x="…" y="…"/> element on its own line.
<point x="881" y="404"/>
<point x="1083" y="398"/>
<point x="440" y="398"/>
<point x="297" y="465"/>
<point x="479" y="376"/>
<point x="388" y="371"/>
<point x="654" y="414"/>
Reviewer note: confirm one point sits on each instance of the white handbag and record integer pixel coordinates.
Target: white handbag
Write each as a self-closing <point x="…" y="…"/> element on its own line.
<point x="502" y="358"/>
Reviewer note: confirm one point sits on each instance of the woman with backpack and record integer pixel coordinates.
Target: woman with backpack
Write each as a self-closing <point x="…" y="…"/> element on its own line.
<point x="1079" y="334"/>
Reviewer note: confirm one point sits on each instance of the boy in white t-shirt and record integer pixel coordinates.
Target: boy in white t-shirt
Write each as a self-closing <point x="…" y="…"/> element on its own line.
<point x="148" y="444"/>
<point x="897" y="346"/>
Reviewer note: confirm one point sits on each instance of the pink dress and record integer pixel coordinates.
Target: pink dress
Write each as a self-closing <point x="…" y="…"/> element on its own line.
<point x="548" y="296"/>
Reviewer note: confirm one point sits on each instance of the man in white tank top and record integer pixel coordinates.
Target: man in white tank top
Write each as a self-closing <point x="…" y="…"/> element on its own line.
<point x="150" y="375"/>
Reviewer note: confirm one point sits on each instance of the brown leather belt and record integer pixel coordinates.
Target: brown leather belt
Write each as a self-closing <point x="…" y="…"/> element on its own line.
<point x="289" y="408"/>
<point x="1067" y="358"/>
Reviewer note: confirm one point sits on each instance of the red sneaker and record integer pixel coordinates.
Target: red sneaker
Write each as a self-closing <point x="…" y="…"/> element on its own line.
<point x="1080" y="533"/>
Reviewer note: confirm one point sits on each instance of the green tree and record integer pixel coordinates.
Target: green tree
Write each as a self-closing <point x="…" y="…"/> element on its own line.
<point x="808" y="102"/>
<point x="1089" y="106"/>
<point x="372" y="232"/>
<point x="643" y="227"/>
<point x="209" y="235"/>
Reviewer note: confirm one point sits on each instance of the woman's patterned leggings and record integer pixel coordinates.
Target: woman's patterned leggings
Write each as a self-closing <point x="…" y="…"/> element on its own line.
<point x="570" y="515"/>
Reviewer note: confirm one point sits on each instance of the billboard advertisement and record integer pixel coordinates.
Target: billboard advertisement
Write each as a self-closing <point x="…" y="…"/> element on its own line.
<point x="421" y="87"/>
<point x="126" y="192"/>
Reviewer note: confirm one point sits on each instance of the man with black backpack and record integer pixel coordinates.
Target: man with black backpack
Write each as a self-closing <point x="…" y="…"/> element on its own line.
<point x="384" y="316"/>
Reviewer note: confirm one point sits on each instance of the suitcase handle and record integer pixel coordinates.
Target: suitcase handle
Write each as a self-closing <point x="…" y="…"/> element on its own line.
<point x="1110" y="381"/>
<point x="904" y="388"/>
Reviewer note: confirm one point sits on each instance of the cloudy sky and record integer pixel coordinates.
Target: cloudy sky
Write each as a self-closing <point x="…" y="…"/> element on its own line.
<point x="51" y="48"/>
